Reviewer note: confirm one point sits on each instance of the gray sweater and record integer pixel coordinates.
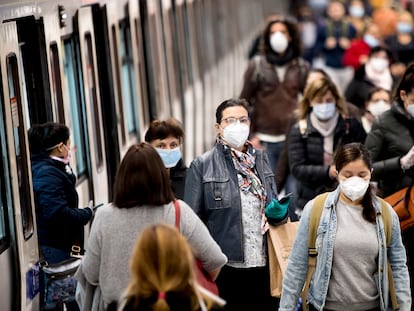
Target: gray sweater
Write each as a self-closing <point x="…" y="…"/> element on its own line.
<point x="114" y="234"/>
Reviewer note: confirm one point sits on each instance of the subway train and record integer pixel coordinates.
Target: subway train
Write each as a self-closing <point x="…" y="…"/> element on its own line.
<point x="106" y="69"/>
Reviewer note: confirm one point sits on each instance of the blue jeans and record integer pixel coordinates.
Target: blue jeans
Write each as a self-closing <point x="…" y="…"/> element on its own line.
<point x="273" y="151"/>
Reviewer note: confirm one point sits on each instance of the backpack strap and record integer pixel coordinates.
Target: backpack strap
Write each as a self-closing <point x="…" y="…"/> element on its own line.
<point x="315" y="216"/>
<point x="386" y="218"/>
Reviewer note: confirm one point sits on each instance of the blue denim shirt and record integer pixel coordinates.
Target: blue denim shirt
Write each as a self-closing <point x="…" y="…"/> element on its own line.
<point x="297" y="268"/>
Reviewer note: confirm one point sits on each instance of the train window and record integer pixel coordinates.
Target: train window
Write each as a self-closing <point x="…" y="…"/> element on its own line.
<point x="118" y="84"/>
<point x="5" y="199"/>
<point x="93" y="100"/>
<point x="20" y="146"/>
<point x="56" y="83"/>
<point x="73" y="79"/>
<point x="129" y="90"/>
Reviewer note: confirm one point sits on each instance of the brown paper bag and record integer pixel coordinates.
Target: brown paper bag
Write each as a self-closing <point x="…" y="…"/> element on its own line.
<point x="280" y="240"/>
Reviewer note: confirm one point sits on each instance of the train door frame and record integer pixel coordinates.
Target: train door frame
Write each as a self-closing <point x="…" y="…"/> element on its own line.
<point x="125" y="139"/>
<point x="23" y="213"/>
<point x="171" y="58"/>
<point x="197" y="112"/>
<point x="187" y="91"/>
<point x="155" y="59"/>
<point x="55" y="69"/>
<point x="98" y="179"/>
<point x="140" y="68"/>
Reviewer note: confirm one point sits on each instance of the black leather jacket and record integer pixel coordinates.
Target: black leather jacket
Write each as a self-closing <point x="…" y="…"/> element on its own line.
<point x="212" y="190"/>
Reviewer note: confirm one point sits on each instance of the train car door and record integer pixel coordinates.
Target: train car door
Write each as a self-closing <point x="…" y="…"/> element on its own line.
<point x="155" y="60"/>
<point x="137" y="44"/>
<point x="19" y="255"/>
<point x="93" y="115"/>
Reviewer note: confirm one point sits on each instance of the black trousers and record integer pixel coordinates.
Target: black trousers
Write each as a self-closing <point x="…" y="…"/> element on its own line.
<point x="246" y="289"/>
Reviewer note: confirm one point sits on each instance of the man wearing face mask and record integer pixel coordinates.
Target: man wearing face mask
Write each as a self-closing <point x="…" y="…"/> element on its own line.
<point x="401" y="43"/>
<point x="167" y="138"/>
<point x="229" y="188"/>
<point x="60" y="222"/>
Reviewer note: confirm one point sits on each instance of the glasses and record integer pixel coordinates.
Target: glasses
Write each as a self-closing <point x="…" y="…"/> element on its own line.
<point x="232" y="120"/>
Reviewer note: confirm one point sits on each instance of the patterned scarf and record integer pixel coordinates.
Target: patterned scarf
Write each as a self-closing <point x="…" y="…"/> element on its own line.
<point x="248" y="178"/>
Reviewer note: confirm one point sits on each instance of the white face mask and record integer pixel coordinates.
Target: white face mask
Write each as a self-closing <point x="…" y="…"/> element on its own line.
<point x="354" y="187"/>
<point x="236" y="134"/>
<point x="378" y="64"/>
<point x="324" y="111"/>
<point x="410" y="109"/>
<point x="378" y="107"/>
<point x="278" y="42"/>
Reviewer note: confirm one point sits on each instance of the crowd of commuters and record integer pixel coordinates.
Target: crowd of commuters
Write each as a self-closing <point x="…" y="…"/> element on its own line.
<point x="326" y="105"/>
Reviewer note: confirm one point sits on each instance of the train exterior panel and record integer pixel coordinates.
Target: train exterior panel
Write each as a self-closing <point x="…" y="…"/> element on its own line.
<point x="106" y="69"/>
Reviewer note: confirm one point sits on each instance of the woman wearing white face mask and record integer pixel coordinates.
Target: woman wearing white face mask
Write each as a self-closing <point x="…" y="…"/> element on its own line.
<point x="374" y="73"/>
<point x="351" y="272"/>
<point x="391" y="143"/>
<point x="272" y="85"/>
<point x="323" y="127"/>
<point x="229" y="187"/>
<point x="167" y="138"/>
<point x="378" y="101"/>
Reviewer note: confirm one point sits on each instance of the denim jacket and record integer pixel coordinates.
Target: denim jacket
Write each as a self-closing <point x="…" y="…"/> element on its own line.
<point x="212" y="190"/>
<point x="297" y="268"/>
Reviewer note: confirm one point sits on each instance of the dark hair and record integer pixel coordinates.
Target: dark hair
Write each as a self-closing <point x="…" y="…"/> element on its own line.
<point x="350" y="153"/>
<point x="142" y="178"/>
<point x="406" y="84"/>
<point x="230" y="103"/>
<point x="292" y="28"/>
<point x="379" y="48"/>
<point x="162" y="129"/>
<point x="374" y="90"/>
<point x="43" y="137"/>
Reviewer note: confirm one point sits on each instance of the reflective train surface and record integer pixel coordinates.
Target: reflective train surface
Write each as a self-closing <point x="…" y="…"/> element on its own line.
<point x="106" y="69"/>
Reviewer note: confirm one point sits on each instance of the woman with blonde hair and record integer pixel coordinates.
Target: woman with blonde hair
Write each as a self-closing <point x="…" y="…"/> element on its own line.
<point x="323" y="126"/>
<point x="162" y="273"/>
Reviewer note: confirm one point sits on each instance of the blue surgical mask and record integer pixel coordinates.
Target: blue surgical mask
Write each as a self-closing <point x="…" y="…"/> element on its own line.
<point x="169" y="157"/>
<point x="324" y="111"/>
<point x="370" y="40"/>
<point x="404" y="27"/>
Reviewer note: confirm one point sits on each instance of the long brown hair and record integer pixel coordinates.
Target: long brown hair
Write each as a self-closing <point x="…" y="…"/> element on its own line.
<point x="142" y="179"/>
<point x="162" y="272"/>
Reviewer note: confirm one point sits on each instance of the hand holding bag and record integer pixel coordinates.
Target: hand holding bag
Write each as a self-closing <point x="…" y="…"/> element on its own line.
<point x="202" y="276"/>
<point x="280" y="241"/>
<point x="402" y="202"/>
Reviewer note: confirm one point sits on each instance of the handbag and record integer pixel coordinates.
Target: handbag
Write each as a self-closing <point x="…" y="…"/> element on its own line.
<point x="402" y="202"/>
<point x="202" y="276"/>
<point x="60" y="285"/>
<point x="280" y="241"/>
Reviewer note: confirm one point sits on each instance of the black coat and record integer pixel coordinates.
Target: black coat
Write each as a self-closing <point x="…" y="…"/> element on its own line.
<point x="177" y="178"/>
<point x="59" y="220"/>
<point x="391" y="137"/>
<point x="305" y="152"/>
